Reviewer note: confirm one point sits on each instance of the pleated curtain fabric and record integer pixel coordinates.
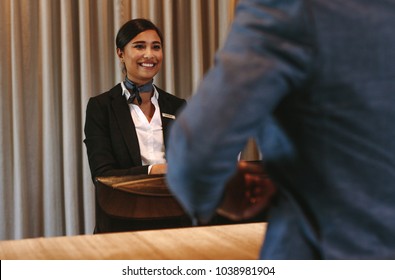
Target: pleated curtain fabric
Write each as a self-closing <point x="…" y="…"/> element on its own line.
<point x="55" y="55"/>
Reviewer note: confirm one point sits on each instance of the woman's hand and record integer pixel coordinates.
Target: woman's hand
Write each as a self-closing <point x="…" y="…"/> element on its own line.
<point x="158" y="169"/>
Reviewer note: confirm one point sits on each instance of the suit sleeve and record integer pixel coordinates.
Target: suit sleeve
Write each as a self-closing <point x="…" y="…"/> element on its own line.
<point x="99" y="147"/>
<point x="265" y="57"/>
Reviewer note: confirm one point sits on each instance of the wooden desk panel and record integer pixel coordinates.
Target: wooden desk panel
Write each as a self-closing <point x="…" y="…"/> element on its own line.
<point x="240" y="241"/>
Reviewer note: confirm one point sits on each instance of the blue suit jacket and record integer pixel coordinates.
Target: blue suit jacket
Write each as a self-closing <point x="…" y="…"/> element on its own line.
<point x="314" y="83"/>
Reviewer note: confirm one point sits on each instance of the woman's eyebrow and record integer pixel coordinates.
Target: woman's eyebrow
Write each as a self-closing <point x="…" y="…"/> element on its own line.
<point x="145" y="42"/>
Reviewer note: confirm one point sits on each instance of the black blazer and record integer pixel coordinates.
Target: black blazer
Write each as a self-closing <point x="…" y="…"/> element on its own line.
<point x="110" y="134"/>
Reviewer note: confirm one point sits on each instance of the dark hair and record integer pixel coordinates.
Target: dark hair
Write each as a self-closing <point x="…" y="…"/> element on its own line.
<point x="132" y="28"/>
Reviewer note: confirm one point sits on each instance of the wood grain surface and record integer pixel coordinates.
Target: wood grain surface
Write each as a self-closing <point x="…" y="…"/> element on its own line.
<point x="225" y="242"/>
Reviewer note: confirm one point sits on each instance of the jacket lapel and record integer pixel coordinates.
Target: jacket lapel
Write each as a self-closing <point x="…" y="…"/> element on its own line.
<point x="166" y="114"/>
<point x="124" y="119"/>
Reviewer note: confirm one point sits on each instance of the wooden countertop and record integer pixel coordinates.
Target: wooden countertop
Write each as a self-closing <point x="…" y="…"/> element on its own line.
<point x="224" y="242"/>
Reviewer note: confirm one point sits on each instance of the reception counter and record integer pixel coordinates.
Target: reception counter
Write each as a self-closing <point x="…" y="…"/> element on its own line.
<point x="222" y="242"/>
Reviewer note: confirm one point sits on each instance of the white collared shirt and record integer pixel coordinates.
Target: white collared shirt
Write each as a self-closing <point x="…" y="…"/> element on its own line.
<point x="149" y="134"/>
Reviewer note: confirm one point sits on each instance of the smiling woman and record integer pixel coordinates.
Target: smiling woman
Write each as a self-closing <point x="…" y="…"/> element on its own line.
<point x="126" y="127"/>
<point x="142" y="56"/>
<point x="54" y="56"/>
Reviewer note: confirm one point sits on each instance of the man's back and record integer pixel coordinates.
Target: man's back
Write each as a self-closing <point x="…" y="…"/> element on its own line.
<point x="326" y="69"/>
<point x="343" y="178"/>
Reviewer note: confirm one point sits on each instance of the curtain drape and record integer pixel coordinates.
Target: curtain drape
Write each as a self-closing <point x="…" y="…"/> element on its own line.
<point x="54" y="55"/>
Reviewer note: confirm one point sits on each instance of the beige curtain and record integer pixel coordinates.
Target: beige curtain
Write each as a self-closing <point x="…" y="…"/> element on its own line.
<point x="55" y="54"/>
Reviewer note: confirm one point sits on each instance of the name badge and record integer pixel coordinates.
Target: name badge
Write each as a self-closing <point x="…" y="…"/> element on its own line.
<point x="168" y="116"/>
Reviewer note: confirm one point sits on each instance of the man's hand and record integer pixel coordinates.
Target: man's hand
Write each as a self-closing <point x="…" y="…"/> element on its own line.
<point x="247" y="193"/>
